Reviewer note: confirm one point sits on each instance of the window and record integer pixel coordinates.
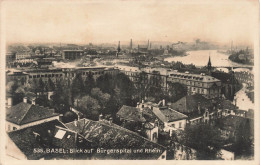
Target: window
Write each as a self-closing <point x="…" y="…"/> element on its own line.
<point x="14" y="128"/>
<point x="173" y="125"/>
<point x="179" y="124"/>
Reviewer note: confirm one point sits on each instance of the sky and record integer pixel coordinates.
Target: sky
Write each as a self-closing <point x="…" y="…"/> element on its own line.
<point x="104" y="22"/>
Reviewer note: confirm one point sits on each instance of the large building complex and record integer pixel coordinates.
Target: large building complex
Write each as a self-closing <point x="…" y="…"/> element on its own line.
<point x="72" y="54"/>
<point x="208" y="86"/>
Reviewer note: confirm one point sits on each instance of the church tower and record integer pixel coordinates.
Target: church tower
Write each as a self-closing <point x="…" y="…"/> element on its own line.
<point x="209" y="66"/>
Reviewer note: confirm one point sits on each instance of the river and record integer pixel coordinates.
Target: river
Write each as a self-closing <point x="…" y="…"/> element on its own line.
<point x="201" y="57"/>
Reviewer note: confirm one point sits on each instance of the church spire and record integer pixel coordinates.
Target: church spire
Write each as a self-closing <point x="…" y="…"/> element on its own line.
<point x="209" y="64"/>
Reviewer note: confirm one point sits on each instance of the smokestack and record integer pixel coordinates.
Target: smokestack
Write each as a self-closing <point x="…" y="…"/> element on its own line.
<point x="33" y="101"/>
<point x="25" y="99"/>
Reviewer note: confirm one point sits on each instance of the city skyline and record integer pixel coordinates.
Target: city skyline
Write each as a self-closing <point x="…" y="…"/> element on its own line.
<point x="102" y="22"/>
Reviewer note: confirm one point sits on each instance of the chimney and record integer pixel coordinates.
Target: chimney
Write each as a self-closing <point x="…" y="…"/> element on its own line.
<point x="75" y="123"/>
<point x="33" y="101"/>
<point x="25" y="99"/>
<point x="100" y="117"/>
<point x="138" y="104"/>
<point x="163" y="102"/>
<point x="142" y="101"/>
<point x="110" y="120"/>
<point x="9" y="102"/>
<point x="199" y="108"/>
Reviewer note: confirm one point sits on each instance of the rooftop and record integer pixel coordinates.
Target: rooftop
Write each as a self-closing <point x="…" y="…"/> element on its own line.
<point x="26" y="139"/>
<point x="171" y="115"/>
<point x="131" y="114"/>
<point x="24" y="113"/>
<point x="196" y="77"/>
<point x="111" y="136"/>
<point x="189" y="103"/>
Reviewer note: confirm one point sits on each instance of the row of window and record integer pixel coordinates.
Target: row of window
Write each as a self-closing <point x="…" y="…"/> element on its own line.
<point x="45" y="75"/>
<point x="192" y="83"/>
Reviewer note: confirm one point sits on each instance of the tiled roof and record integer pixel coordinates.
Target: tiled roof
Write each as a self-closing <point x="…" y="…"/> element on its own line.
<point x="160" y="115"/>
<point x="226" y="104"/>
<point x="131" y="114"/>
<point x="172" y="115"/>
<point x="195" y="77"/>
<point x="189" y="104"/>
<point x="23" y="113"/>
<point x="25" y="139"/>
<point x="251" y="96"/>
<point x="109" y="136"/>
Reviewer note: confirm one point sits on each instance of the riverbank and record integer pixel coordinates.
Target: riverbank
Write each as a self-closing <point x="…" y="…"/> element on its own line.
<point x="241" y="59"/>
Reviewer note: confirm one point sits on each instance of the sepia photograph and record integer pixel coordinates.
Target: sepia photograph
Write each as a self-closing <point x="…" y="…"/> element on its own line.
<point x="130" y="80"/>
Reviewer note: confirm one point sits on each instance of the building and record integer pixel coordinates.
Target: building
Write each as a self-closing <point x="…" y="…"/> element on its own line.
<point x="142" y="49"/>
<point x="142" y="119"/>
<point x="16" y="75"/>
<point x="22" y="55"/>
<point x="157" y="115"/>
<point x="44" y="74"/>
<point x="55" y="74"/>
<point x="245" y="77"/>
<point x="205" y="85"/>
<point x="25" y="115"/>
<point x="229" y="84"/>
<point x="107" y="135"/>
<point x="72" y="54"/>
<point x="230" y="125"/>
<point x="29" y="143"/>
<point x="208" y="86"/>
<point x="10" y="56"/>
<point x="198" y="109"/>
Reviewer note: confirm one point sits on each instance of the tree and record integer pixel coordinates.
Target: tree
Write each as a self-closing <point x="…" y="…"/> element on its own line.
<point x="142" y="85"/>
<point x="176" y="91"/>
<point x="125" y="89"/>
<point x="103" y="98"/>
<point x="106" y="83"/>
<point x="69" y="117"/>
<point x="50" y="86"/>
<point x="204" y="138"/>
<point x="89" y="107"/>
<point x="40" y="86"/>
<point x="77" y="86"/>
<point x="61" y="98"/>
<point x="243" y="141"/>
<point x="89" y="83"/>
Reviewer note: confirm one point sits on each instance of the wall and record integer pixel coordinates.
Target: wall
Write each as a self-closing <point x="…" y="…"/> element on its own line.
<point x="168" y="126"/>
<point x="12" y="125"/>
